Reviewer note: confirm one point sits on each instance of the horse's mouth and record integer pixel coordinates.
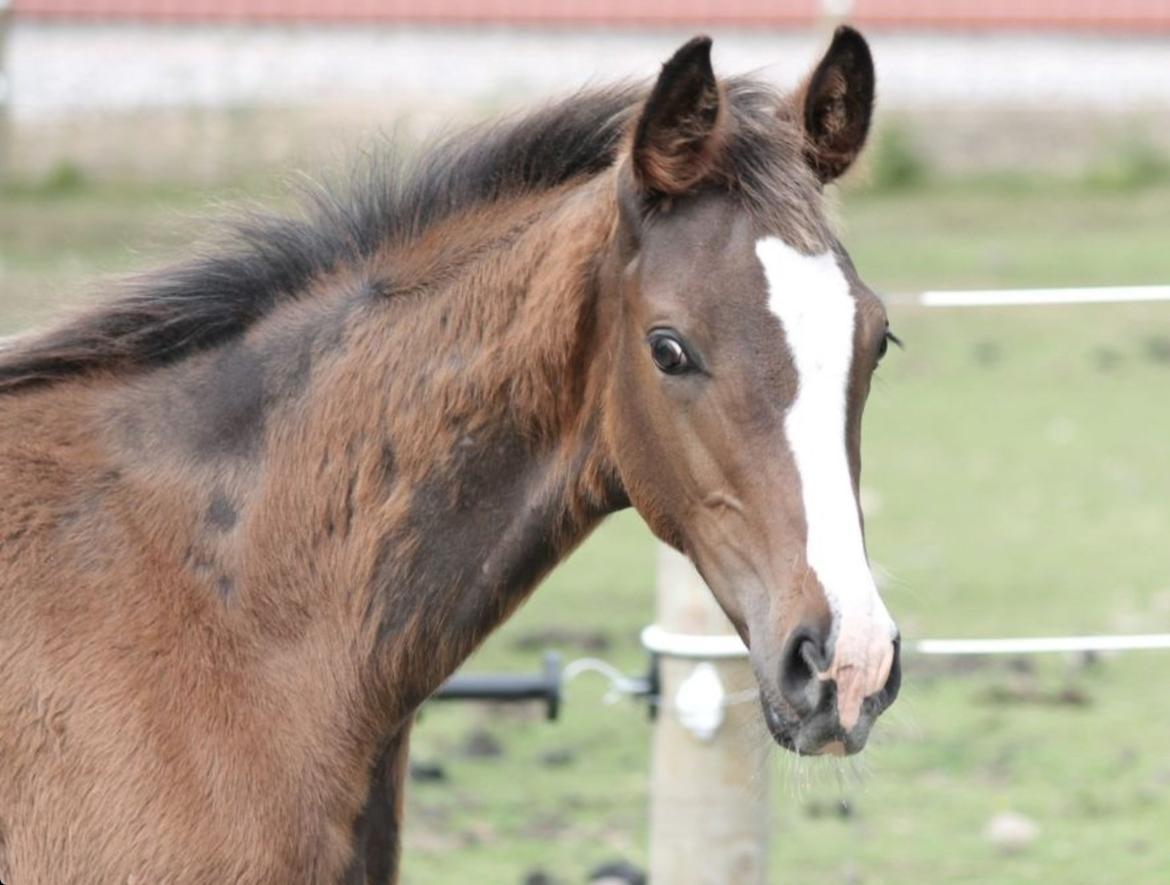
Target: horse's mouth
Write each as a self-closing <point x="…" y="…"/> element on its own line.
<point x="819" y="734"/>
<point x="780" y="729"/>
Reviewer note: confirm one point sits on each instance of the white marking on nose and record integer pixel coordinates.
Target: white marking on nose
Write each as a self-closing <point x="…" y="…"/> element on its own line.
<point x="810" y="296"/>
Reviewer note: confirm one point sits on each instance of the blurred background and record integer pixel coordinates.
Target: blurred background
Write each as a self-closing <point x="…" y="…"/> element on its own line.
<point x="1017" y="478"/>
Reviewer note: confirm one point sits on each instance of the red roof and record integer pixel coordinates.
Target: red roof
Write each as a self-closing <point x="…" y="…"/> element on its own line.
<point x="1134" y="15"/>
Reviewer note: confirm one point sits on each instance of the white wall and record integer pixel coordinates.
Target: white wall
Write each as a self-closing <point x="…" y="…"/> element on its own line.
<point x="59" y="70"/>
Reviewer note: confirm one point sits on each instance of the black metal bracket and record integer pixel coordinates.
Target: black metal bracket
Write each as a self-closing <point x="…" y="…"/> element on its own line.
<point x="653" y="693"/>
<point x="545" y="686"/>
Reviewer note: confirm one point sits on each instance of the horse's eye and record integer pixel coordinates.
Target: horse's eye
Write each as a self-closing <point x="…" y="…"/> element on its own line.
<point x="668" y="353"/>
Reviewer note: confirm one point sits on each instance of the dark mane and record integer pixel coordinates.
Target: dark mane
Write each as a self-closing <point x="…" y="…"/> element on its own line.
<point x="167" y="314"/>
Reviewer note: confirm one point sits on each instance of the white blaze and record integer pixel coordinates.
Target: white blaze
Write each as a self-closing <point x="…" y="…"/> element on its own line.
<point x="810" y="295"/>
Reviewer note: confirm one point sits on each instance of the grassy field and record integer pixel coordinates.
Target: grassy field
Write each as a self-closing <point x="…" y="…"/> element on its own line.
<point x="1017" y="482"/>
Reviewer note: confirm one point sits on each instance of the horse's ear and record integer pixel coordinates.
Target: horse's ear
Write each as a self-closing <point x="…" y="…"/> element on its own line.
<point x="676" y="139"/>
<point x="837" y="104"/>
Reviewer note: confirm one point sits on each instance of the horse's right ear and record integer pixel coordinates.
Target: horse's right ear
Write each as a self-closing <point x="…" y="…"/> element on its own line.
<point x="676" y="139"/>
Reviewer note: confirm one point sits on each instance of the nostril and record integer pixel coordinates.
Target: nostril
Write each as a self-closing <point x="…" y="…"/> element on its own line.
<point x="894" y="680"/>
<point x="803" y="659"/>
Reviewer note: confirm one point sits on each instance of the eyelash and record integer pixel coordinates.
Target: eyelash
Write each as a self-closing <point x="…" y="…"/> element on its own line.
<point x="887" y="339"/>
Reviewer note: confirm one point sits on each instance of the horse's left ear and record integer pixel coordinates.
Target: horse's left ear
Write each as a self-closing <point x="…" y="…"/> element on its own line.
<point x="837" y="104"/>
<point x="676" y="138"/>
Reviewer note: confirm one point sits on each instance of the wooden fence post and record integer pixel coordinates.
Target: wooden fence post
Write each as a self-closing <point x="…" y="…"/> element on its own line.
<point x="709" y="798"/>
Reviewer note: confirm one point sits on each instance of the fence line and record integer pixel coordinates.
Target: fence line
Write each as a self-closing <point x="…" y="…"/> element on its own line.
<point x="1042" y="644"/>
<point x="698" y="647"/>
<point x="1033" y="297"/>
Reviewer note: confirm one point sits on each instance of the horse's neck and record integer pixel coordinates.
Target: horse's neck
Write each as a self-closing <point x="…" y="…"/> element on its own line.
<point x="512" y="473"/>
<point x="449" y="456"/>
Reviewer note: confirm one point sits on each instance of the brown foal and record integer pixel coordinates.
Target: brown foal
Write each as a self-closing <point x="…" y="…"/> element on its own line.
<point x="258" y="506"/>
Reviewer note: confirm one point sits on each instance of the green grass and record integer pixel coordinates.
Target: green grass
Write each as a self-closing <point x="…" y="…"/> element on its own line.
<point x="59" y="243"/>
<point x="1018" y="483"/>
<point x="1008" y="232"/>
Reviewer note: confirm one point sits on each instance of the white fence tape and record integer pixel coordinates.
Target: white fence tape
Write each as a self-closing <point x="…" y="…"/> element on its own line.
<point x="698" y="647"/>
<point x="1041" y="644"/>
<point x="1028" y="297"/>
